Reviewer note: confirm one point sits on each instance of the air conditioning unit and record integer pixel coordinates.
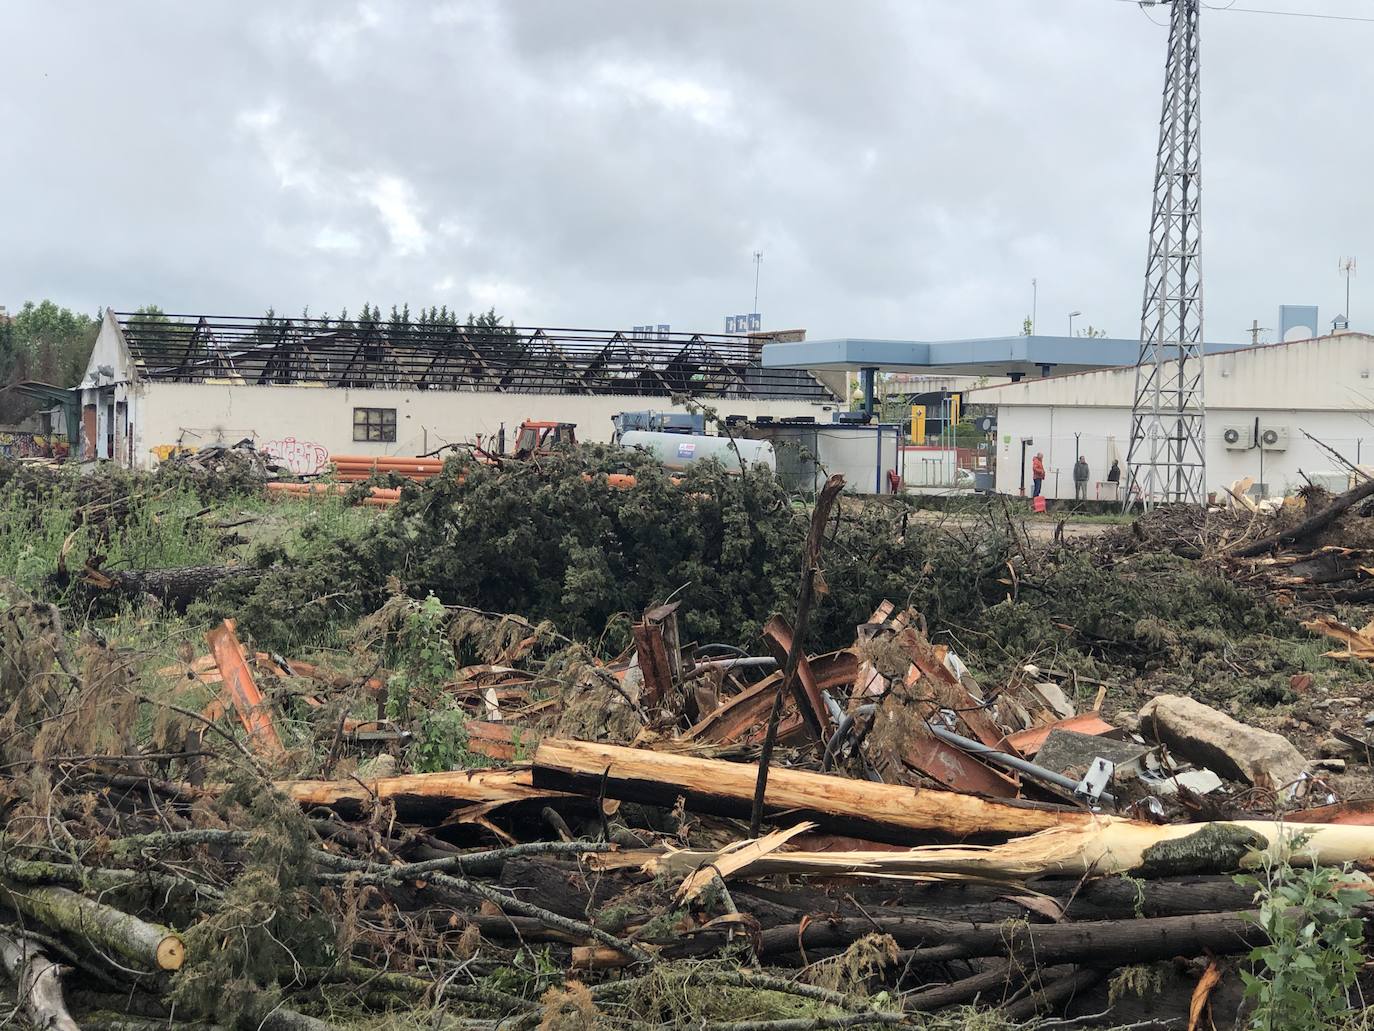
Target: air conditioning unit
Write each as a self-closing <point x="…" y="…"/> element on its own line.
<point x="1238" y="438"/>
<point x="1274" y="438"/>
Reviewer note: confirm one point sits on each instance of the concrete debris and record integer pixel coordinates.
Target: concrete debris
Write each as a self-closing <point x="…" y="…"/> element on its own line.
<point x="1203" y="735"/>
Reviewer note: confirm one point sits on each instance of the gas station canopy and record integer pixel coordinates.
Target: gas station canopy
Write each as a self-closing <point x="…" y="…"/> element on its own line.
<point x="1019" y="357"/>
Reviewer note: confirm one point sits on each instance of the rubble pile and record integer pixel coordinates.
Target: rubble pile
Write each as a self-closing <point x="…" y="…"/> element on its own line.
<point x="463" y="813"/>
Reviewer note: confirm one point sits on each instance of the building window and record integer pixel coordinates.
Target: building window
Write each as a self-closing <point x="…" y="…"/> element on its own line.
<point x="374" y="424"/>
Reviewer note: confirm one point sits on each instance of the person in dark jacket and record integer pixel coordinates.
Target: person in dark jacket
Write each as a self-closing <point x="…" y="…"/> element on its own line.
<point x="1080" y="479"/>
<point x="1114" y="474"/>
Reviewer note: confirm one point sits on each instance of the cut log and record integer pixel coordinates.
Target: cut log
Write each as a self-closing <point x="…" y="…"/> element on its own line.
<point x="37" y="984"/>
<point x="884" y="812"/>
<point x="148" y="945"/>
<point x="419" y="794"/>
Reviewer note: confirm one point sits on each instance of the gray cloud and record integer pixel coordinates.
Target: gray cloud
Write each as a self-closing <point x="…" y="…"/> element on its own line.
<point x="906" y="167"/>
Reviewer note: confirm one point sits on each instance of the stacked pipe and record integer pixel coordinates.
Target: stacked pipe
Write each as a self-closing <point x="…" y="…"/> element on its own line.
<point x="351" y="468"/>
<point x="379" y="497"/>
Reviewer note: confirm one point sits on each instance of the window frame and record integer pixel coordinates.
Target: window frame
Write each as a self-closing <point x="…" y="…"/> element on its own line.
<point x="376" y="425"/>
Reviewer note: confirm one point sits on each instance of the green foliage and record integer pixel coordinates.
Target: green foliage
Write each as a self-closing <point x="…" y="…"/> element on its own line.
<point x="270" y="923"/>
<point x="47" y="343"/>
<point x="551" y="542"/>
<point x="134" y="522"/>
<point x="1302" y="976"/>
<point x="441" y="741"/>
<point x="416" y="648"/>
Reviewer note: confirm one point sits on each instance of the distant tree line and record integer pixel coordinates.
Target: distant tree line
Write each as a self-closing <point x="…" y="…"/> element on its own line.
<point x="42" y="342"/>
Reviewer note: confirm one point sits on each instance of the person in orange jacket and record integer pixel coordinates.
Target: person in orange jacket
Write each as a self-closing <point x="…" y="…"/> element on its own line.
<point x="1037" y="472"/>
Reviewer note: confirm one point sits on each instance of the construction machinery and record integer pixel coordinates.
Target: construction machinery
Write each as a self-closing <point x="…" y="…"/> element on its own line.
<point x="540" y="438"/>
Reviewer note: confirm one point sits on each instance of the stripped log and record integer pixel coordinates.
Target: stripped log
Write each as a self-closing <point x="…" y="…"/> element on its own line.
<point x="419" y="793"/>
<point x="884" y="812"/>
<point x="149" y="945"/>
<point x="37" y="984"/>
<point x="1105" y="845"/>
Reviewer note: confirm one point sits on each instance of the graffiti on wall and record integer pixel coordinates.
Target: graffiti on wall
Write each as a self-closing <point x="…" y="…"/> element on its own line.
<point x="165" y="451"/>
<point x="32" y="445"/>
<point x="302" y="457"/>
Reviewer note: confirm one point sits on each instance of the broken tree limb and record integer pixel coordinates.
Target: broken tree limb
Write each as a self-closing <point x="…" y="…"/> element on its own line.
<point x="1052" y="994"/>
<point x="37" y="984"/>
<point x="419" y="793"/>
<point x="787" y="645"/>
<point x="378" y="874"/>
<point x="1309" y="526"/>
<point x="243" y="692"/>
<point x="148" y="945"/>
<point x="1000" y="978"/>
<point x="882" y="812"/>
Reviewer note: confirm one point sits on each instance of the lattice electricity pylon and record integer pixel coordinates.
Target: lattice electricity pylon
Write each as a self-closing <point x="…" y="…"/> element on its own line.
<point x="1167" y="460"/>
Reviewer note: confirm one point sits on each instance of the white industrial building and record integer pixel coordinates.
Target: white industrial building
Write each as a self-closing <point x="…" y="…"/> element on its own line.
<point x="1259" y="402"/>
<point x="304" y="390"/>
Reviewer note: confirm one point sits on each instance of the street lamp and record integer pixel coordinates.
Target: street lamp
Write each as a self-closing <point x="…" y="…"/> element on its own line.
<point x="1073" y="315"/>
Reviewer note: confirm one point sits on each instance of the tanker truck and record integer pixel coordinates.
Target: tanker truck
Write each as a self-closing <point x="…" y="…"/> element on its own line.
<point x="679" y="439"/>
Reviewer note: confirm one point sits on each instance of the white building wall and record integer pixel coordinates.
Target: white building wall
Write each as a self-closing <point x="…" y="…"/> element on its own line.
<point x="307" y="424"/>
<point x="1324" y="386"/>
<point x="1104" y="432"/>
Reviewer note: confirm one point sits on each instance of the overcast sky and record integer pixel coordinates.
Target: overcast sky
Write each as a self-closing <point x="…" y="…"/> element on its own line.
<point x="906" y="167"/>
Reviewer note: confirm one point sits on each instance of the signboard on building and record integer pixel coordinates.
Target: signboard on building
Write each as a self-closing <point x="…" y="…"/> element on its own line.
<point x="1297" y="322"/>
<point x="651" y="332"/>
<point x="751" y="323"/>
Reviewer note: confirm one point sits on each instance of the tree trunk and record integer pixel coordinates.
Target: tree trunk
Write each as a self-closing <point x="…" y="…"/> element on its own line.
<point x="1106" y="898"/>
<point x="176" y="588"/>
<point x="1100" y="942"/>
<point x="37" y="984"/>
<point x="882" y="812"/>
<point x="148" y="945"/>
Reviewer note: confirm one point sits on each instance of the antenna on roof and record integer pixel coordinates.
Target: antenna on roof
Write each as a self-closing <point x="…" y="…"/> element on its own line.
<point x="1347" y="269"/>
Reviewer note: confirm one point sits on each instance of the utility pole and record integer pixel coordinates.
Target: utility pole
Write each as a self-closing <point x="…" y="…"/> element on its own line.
<point x="1167" y="461"/>
<point x="1255" y="330"/>
<point x="758" y="264"/>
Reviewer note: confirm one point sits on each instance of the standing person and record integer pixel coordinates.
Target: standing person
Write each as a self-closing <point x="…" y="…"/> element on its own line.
<point x="1037" y="472"/>
<point x="1114" y="474"/>
<point x="1080" y="479"/>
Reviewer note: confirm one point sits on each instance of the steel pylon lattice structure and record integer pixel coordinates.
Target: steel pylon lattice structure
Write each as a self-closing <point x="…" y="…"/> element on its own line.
<point x="1168" y="452"/>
